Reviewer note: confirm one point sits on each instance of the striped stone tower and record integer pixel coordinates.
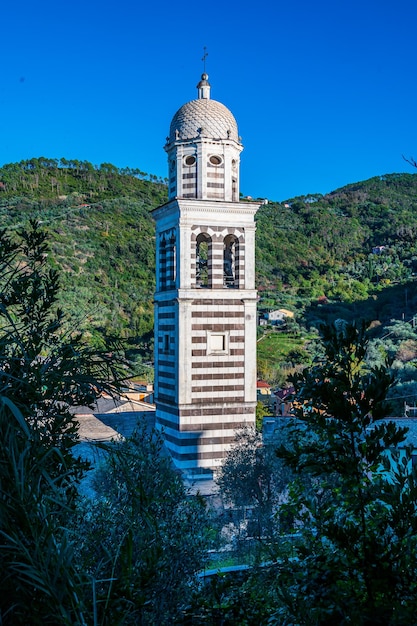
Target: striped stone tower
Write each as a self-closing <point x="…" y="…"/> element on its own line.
<point x="205" y="299"/>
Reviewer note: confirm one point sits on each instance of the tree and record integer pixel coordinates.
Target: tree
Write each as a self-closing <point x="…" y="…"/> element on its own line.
<point x="354" y="500"/>
<point x="253" y="477"/>
<point x="262" y="410"/>
<point x="45" y="370"/>
<point x="411" y="161"/>
<point x="142" y="538"/>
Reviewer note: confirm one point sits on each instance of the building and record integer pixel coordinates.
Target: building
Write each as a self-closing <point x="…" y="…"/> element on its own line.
<point x="263" y="392"/>
<point x="284" y="401"/>
<point x="279" y="316"/>
<point x="205" y="299"/>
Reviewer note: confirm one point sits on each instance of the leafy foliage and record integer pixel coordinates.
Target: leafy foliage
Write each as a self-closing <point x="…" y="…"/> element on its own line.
<point x="130" y="555"/>
<point x="253" y="480"/>
<point x="51" y="178"/>
<point x="322" y="245"/>
<point x="102" y="239"/>
<point x="355" y="516"/>
<point x="45" y="370"/>
<point x="252" y="475"/>
<point x="142" y="539"/>
<point x="231" y="599"/>
<point x="355" y="554"/>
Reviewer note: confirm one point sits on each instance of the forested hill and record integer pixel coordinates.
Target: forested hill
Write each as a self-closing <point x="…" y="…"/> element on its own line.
<point x="309" y="249"/>
<point x="43" y="178"/>
<point x="101" y="236"/>
<point x="323" y="245"/>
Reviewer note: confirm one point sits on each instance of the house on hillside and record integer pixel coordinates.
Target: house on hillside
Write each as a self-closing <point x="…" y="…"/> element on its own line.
<point x="281" y="406"/>
<point x="262" y="319"/>
<point x="283" y="401"/>
<point x="279" y="316"/>
<point x="263" y="392"/>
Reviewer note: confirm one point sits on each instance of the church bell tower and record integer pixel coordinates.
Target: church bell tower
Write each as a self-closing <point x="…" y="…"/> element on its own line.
<point x="205" y="299"/>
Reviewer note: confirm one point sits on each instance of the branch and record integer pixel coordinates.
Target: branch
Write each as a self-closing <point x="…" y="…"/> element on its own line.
<point x="411" y="161"/>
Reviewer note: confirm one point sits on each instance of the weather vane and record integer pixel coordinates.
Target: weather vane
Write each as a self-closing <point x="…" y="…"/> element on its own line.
<point x="204" y="57"/>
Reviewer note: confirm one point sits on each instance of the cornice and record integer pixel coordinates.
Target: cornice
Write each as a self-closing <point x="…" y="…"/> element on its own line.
<point x="191" y="206"/>
<point x="195" y="295"/>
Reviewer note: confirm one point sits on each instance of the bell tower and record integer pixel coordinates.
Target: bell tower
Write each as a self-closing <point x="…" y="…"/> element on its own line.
<point x="205" y="299"/>
<point x="204" y="160"/>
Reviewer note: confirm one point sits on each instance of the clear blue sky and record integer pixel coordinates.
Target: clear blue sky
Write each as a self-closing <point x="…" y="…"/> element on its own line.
<point x="324" y="92"/>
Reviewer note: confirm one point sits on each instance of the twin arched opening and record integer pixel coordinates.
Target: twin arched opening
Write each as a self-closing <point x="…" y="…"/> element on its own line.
<point x="217" y="263"/>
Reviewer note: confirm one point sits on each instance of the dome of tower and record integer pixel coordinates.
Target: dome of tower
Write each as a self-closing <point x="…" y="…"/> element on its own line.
<point x="203" y="118"/>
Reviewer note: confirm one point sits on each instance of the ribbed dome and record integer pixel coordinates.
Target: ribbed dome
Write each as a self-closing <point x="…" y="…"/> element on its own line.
<point x="203" y="118"/>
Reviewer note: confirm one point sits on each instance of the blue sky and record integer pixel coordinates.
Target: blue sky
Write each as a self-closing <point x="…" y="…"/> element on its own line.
<point x="324" y="92"/>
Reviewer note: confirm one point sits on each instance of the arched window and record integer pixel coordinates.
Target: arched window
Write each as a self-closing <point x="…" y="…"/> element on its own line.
<point x="230" y="249"/>
<point x="162" y="263"/>
<point x="171" y="261"/>
<point x="167" y="260"/>
<point x="235" y="195"/>
<point x="203" y="260"/>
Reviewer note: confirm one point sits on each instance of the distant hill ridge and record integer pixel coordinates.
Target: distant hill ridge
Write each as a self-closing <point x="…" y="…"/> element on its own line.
<point x="49" y="178"/>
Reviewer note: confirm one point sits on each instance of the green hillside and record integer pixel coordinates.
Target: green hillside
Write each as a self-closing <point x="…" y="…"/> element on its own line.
<point x="315" y="254"/>
<point x="322" y="245"/>
<point x="101" y="237"/>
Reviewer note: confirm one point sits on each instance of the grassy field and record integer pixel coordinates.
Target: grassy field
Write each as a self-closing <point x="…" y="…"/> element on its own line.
<point x="279" y="353"/>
